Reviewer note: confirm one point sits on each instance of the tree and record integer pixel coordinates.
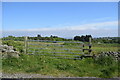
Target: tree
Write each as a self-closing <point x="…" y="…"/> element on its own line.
<point x="87" y="38"/>
<point x="77" y="38"/>
<point x="38" y="35"/>
<point x="51" y="36"/>
<point x="83" y="38"/>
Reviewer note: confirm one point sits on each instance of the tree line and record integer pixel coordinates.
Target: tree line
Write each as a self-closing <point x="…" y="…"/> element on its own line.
<point x="83" y="38"/>
<point x="76" y="38"/>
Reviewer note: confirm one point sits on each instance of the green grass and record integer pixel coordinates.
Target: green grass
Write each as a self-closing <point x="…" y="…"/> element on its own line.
<point x="56" y="67"/>
<point x="46" y="65"/>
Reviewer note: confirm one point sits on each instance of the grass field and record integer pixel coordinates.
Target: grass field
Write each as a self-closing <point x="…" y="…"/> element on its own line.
<point x="46" y="65"/>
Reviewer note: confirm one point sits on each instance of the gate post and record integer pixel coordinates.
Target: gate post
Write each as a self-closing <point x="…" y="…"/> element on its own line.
<point x="90" y="40"/>
<point x="90" y="45"/>
<point x="26" y="44"/>
<point x="83" y="47"/>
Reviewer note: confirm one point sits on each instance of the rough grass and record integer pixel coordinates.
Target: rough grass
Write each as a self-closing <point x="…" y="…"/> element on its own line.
<point x="59" y="67"/>
<point x="46" y="65"/>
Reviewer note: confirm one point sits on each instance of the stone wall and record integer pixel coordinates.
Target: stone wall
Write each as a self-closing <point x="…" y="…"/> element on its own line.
<point x="8" y="51"/>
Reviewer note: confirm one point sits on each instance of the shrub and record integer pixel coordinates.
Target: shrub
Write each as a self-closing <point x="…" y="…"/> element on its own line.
<point x="105" y="60"/>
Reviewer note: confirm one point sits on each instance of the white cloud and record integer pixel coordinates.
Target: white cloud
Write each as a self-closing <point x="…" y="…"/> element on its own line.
<point x="96" y="26"/>
<point x="65" y="33"/>
<point x="91" y="26"/>
<point x="101" y="29"/>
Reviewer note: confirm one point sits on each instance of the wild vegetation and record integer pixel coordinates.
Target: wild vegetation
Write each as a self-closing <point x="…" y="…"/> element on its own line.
<point x="104" y="66"/>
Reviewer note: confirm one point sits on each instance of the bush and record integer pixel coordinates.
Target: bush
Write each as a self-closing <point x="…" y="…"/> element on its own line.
<point x="105" y="60"/>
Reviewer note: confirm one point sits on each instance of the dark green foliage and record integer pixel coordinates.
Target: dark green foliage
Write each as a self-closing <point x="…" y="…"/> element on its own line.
<point x="83" y="38"/>
<point x="105" y="60"/>
<point x="107" y="40"/>
<point x="38" y="35"/>
<point x="77" y="38"/>
<point x="13" y="38"/>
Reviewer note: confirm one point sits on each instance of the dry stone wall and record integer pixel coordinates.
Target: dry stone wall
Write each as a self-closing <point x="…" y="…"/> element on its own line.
<point x="8" y="51"/>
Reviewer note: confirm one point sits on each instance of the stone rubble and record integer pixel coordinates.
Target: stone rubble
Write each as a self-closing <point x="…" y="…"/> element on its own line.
<point x="8" y="51"/>
<point x="116" y="55"/>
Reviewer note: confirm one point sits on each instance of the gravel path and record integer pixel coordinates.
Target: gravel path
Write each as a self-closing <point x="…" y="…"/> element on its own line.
<point x="23" y="75"/>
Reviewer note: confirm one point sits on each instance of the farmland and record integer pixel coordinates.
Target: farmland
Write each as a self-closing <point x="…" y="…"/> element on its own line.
<point x="47" y="65"/>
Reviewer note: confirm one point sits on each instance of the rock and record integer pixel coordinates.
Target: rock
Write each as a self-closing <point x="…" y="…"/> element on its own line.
<point x="8" y="51"/>
<point x="10" y="47"/>
<point x="110" y="53"/>
<point x="11" y="51"/>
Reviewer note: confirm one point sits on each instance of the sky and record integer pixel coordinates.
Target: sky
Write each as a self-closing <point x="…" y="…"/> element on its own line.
<point x="60" y="0"/>
<point x="63" y="19"/>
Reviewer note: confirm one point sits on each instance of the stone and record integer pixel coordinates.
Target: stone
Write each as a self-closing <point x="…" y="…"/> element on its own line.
<point x="8" y="51"/>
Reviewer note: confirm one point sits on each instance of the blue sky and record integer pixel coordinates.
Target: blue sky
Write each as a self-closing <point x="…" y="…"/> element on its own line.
<point x="64" y="19"/>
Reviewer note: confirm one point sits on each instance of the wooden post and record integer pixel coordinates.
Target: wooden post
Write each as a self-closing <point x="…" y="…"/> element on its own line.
<point x="0" y="41"/>
<point x="26" y="44"/>
<point x="90" y="40"/>
<point x="83" y="47"/>
<point x="90" y="45"/>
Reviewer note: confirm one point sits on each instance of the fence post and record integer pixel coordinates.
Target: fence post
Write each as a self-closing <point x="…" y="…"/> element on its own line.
<point x="90" y="40"/>
<point x="90" y="45"/>
<point x="83" y="47"/>
<point x="26" y="45"/>
<point x="0" y="41"/>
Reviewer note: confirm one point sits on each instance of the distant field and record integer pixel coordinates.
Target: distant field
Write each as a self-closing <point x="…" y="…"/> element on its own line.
<point x="105" y="48"/>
